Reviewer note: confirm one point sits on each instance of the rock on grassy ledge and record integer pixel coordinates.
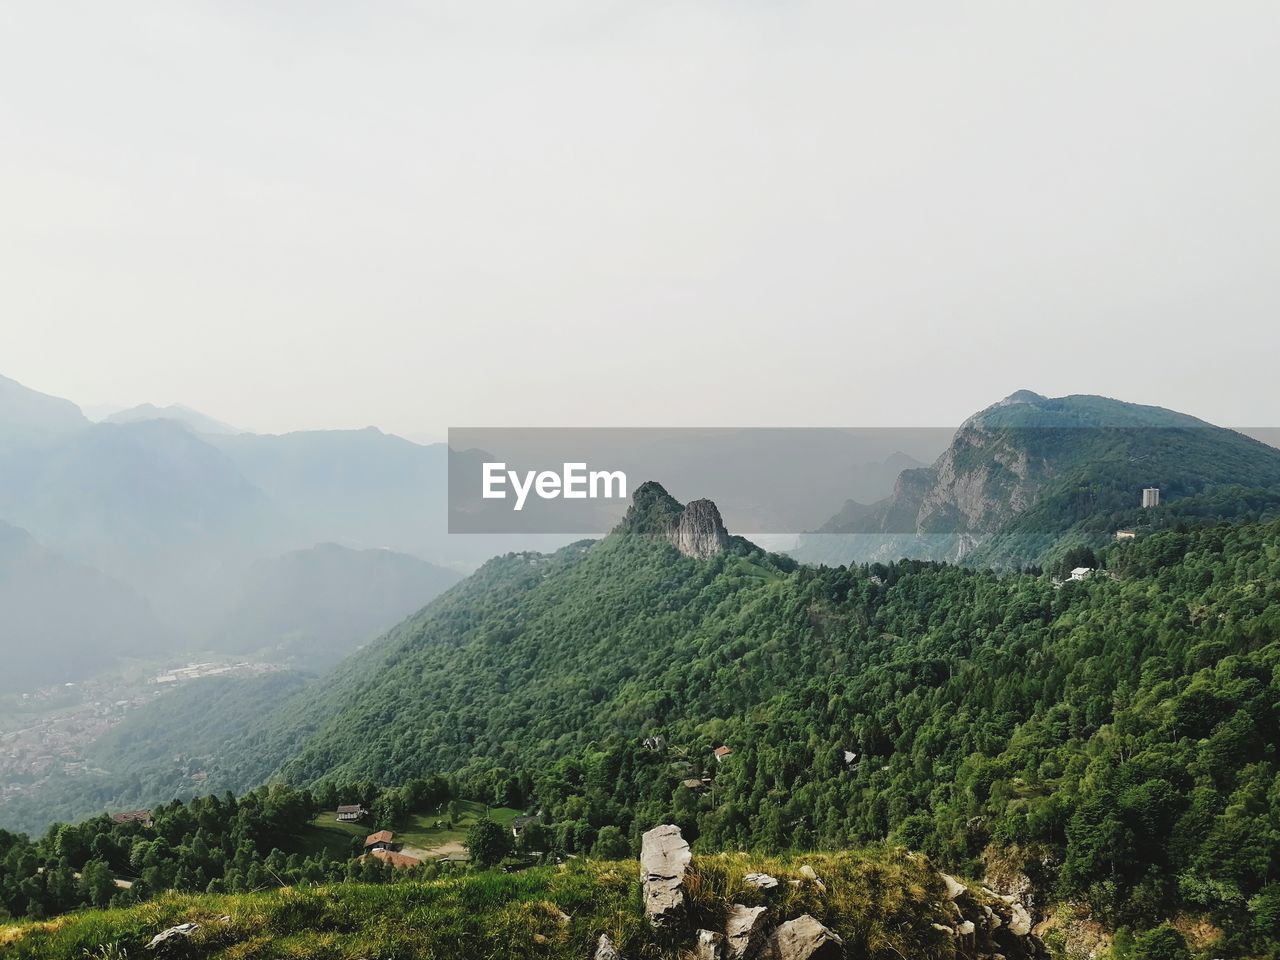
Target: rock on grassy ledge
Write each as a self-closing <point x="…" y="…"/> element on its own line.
<point x="664" y="866"/>
<point x="761" y="881"/>
<point x="710" y="946"/>
<point x="745" y="929"/>
<point x="605" y="950"/>
<point x="804" y="938"/>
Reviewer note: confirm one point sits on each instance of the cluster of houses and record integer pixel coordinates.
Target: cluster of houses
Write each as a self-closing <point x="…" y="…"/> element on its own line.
<point x="383" y="846"/>
<point x="380" y="845"/>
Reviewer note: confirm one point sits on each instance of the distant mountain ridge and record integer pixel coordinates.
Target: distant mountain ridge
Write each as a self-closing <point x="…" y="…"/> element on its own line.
<point x="177" y="412"/>
<point x="1029" y="470"/>
<point x="58" y="611"/>
<point x="176" y="509"/>
<point x="30" y="418"/>
<point x="313" y="606"/>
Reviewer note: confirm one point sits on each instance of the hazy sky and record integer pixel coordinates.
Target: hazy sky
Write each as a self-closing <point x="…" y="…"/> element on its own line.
<point x="298" y="215"/>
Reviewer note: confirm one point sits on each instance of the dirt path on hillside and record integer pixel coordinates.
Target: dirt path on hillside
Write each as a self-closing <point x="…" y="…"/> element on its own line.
<point x="454" y="850"/>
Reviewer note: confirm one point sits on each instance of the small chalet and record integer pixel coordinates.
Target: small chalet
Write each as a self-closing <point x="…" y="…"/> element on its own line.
<point x="1081" y="573"/>
<point x="1122" y="535"/>
<point x="693" y="783"/>
<point x="722" y="752"/>
<point x="519" y="824"/>
<point x="398" y="861"/>
<point x="133" y="816"/>
<point x="351" y="813"/>
<point x="381" y="840"/>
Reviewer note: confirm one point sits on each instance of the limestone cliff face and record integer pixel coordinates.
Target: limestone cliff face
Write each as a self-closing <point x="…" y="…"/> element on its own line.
<point x="1029" y="471"/>
<point x="700" y="532"/>
<point x="983" y="480"/>
<point x="696" y="530"/>
<point x="989" y="475"/>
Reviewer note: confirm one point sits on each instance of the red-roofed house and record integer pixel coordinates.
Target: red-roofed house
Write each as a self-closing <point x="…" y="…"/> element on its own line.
<point x="398" y="861"/>
<point x="381" y="840"/>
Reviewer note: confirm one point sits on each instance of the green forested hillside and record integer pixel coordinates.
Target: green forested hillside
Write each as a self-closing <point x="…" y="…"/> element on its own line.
<point x="1112" y="741"/>
<point x="1115" y="739"/>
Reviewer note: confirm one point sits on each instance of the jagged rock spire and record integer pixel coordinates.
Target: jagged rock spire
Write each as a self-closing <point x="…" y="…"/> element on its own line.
<point x="696" y="530"/>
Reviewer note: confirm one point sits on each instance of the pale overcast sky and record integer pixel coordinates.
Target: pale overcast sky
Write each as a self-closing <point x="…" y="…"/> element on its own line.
<point x="298" y="215"/>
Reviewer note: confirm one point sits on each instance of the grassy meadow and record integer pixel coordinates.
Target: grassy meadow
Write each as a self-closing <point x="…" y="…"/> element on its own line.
<point x="881" y="902"/>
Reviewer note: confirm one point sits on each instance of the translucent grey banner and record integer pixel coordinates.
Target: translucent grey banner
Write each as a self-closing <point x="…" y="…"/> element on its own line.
<point x="938" y="482"/>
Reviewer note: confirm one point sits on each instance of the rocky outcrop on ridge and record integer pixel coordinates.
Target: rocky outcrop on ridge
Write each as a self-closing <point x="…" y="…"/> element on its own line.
<point x="696" y="530"/>
<point x="979" y="921"/>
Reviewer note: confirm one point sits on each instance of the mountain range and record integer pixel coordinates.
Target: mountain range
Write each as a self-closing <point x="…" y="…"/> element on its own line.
<point x="1107" y="741"/>
<point x="192" y="528"/>
<point x="194" y="420"/>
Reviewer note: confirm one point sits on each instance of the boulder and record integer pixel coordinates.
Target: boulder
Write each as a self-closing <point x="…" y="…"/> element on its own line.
<point x="664" y="867"/>
<point x="173" y="933"/>
<point x="954" y="886"/>
<point x="804" y="938"/>
<point x="745" y="930"/>
<point x="710" y="945"/>
<point x="605" y="950"/>
<point x="811" y="875"/>
<point x="1020" y="921"/>
<point x="761" y="881"/>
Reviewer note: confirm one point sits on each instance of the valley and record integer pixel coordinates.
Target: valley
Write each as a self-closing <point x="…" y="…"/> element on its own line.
<point x="48" y="735"/>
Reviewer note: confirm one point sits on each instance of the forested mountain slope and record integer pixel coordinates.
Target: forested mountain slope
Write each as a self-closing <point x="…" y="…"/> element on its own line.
<point x="1111" y="742"/>
<point x="1115" y="738"/>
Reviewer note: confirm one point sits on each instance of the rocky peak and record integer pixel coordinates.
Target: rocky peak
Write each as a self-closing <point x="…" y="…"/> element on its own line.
<point x="696" y="530"/>
<point x="700" y="532"/>
<point x="1021" y="396"/>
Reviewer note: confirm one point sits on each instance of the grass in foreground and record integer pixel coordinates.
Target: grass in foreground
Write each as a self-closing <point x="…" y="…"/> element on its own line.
<point x="882" y="902"/>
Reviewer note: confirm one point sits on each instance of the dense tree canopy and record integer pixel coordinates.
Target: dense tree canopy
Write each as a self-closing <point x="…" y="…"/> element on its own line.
<point x="1114" y="739"/>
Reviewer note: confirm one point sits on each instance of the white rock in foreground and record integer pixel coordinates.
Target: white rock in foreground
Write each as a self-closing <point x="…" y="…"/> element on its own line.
<point x="164" y="936"/>
<point x="605" y="950"/>
<point x="664" y="867"/>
